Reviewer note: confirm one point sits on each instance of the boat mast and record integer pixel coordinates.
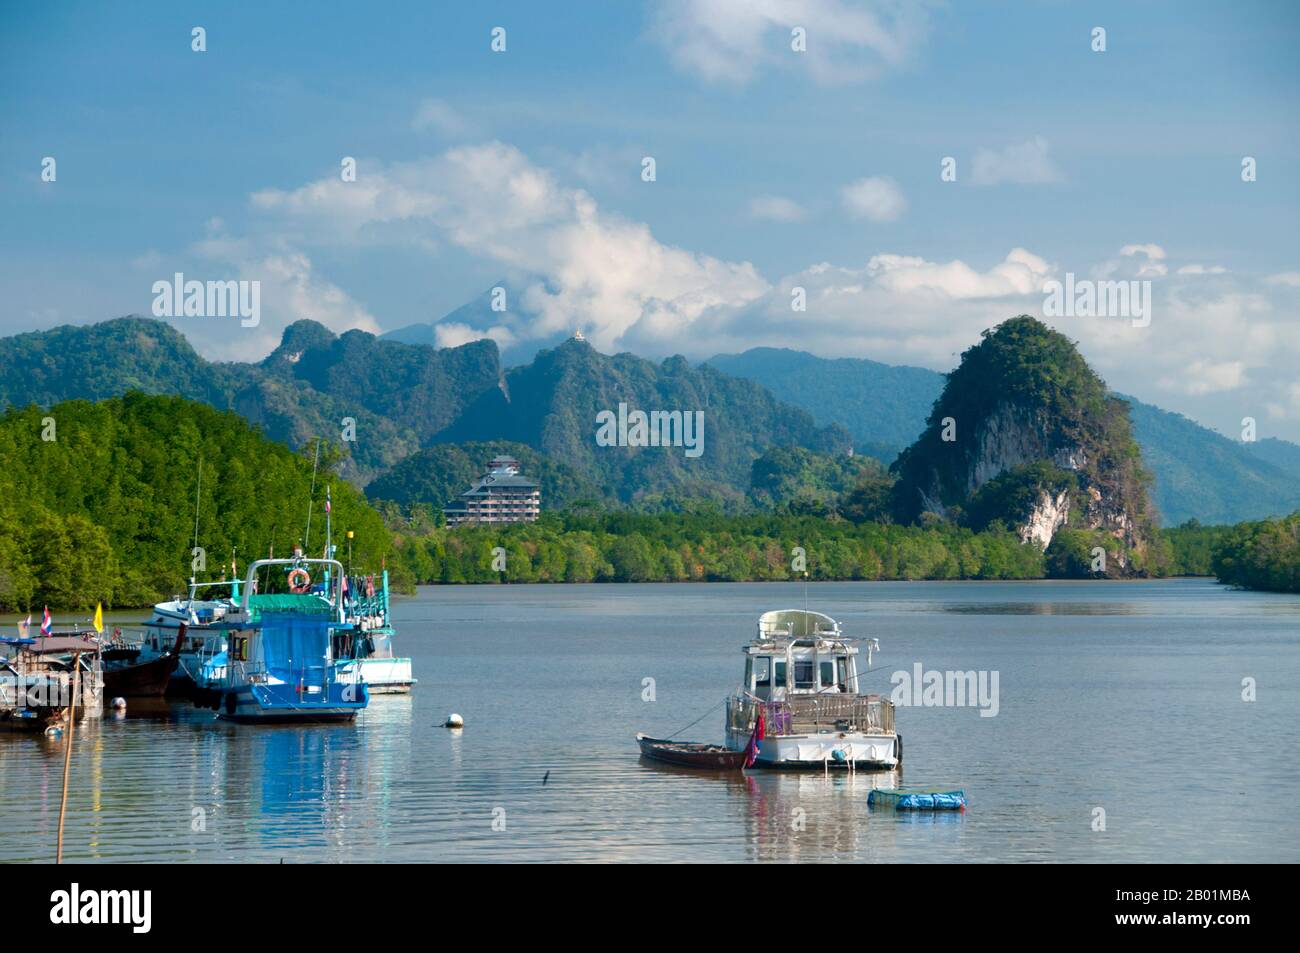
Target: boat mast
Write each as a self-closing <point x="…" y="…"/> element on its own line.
<point x="311" y="499"/>
<point x="198" y="491"/>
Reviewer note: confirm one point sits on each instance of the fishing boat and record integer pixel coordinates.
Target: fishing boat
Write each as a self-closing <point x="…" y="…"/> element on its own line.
<point x="799" y="700"/>
<point x="201" y="617"/>
<point x="129" y="675"/>
<point x="364" y="648"/>
<point x="40" y="676"/>
<point x="280" y="663"/>
<point x="690" y="754"/>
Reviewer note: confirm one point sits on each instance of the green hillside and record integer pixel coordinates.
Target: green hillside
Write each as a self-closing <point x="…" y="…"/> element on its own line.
<point x="104" y="511"/>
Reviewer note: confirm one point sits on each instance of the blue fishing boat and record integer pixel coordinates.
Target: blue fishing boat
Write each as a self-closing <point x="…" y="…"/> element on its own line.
<point x="279" y="663"/>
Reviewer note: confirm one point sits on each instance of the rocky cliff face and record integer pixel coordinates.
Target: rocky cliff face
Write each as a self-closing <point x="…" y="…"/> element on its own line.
<point x="1025" y="434"/>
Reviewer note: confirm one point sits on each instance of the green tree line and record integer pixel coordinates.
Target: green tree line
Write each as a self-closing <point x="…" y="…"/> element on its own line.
<point x="1264" y="554"/>
<point x="97" y="501"/>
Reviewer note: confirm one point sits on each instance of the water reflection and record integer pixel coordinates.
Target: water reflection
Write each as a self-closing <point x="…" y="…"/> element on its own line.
<point x="1040" y="608"/>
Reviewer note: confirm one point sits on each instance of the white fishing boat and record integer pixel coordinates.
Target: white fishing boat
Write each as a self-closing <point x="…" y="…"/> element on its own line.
<point x="204" y="614"/>
<point x="801" y="684"/>
<point x="364" y="648"/>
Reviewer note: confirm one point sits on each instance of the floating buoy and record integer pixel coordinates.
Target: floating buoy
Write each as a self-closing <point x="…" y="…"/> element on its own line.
<point x="119" y="703"/>
<point x="454" y="721"/>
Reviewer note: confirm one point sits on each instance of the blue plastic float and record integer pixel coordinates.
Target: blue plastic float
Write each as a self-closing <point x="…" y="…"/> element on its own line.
<point x="915" y="799"/>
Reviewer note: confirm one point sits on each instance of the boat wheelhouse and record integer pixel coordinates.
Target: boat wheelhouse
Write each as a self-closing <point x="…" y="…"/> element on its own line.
<point x="801" y="679"/>
<point x="280" y="663"/>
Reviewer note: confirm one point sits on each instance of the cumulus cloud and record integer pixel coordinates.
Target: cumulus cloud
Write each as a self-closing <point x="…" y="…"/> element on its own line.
<point x="1134" y="261"/>
<point x="1019" y="163"/>
<point x="1021" y="273"/>
<point x="455" y="333"/>
<point x="774" y="208"/>
<point x="877" y="199"/>
<point x="593" y="269"/>
<point x="1217" y="347"/>
<point x="731" y="41"/>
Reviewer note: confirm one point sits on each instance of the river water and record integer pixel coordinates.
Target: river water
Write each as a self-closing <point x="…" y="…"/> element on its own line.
<point x="1119" y="706"/>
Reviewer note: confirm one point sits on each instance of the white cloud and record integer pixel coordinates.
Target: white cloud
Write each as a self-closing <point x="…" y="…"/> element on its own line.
<point x="1152" y="252"/>
<point x="290" y="290"/>
<point x="731" y="41"/>
<point x="440" y="117"/>
<point x="1020" y="163"/>
<point x="454" y="334"/>
<point x="1135" y="261"/>
<point x="1213" y="348"/>
<point x="1202" y="270"/>
<point x="774" y="208"/>
<point x="877" y="199"/>
<point x="1152" y="258"/>
<point x="601" y="272"/>
<point x="1286" y="279"/>
<point x="1022" y="273"/>
<point x="1206" y="377"/>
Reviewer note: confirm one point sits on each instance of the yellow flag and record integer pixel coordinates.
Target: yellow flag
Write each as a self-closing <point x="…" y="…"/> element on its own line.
<point x="99" y="617"/>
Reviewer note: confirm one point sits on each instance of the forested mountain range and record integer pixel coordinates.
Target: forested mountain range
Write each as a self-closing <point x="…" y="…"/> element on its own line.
<point x="404" y="398"/>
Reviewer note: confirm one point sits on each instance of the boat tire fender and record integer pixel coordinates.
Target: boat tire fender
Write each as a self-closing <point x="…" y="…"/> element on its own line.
<point x="232" y="703"/>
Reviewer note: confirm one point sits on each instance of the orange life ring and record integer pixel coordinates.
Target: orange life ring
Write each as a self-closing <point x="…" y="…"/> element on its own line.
<point x="299" y="587"/>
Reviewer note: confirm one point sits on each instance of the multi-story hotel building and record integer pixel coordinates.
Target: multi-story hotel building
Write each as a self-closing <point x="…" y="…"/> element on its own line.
<point x="501" y="495"/>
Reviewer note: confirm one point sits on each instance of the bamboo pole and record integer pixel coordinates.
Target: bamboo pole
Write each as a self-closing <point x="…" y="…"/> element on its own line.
<point x="67" y="749"/>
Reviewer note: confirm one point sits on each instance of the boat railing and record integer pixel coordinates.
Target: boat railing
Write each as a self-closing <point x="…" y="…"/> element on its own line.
<point x="809" y="714"/>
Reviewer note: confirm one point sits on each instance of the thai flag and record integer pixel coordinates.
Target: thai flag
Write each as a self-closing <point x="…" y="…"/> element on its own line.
<point x="25" y="627"/>
<point x="752" y="749"/>
<point x="47" y="627"/>
<point x="327" y="499"/>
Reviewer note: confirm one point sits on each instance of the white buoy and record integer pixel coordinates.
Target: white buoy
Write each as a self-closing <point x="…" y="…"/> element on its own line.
<point x="454" y="721"/>
<point x="119" y="703"/>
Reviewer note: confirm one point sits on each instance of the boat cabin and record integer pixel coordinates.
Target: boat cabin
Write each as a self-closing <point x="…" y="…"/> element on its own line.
<point x="797" y="652"/>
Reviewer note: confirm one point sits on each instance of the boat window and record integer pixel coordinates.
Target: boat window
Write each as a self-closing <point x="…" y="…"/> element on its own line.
<point x="827" y="674"/>
<point x="780" y="675"/>
<point x="762" y="671"/>
<point x="841" y="666"/>
<point x="805" y="674"/>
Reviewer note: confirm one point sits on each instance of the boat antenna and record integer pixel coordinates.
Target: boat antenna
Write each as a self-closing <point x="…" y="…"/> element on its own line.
<point x="198" y="489"/>
<point x="311" y="498"/>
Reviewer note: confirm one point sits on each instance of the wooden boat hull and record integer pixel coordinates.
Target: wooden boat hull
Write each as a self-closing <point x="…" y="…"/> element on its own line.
<point x="141" y="680"/>
<point x="690" y="754"/>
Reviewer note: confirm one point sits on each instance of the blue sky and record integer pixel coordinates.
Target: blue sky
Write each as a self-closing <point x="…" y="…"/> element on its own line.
<point x="475" y="166"/>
